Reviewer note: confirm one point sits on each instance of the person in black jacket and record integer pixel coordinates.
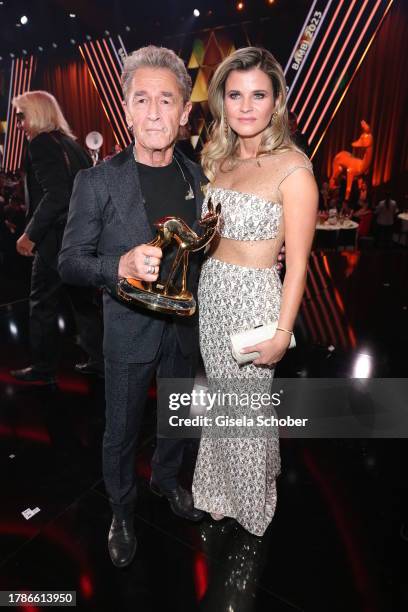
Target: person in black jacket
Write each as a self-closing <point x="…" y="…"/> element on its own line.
<point x="52" y="162"/>
<point x="110" y="223"/>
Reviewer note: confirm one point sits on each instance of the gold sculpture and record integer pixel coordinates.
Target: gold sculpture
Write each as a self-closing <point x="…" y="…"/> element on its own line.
<point x="163" y="296"/>
<point x="354" y="166"/>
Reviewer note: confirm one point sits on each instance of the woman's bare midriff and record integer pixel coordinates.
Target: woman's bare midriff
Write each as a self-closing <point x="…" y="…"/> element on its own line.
<point x="248" y="254"/>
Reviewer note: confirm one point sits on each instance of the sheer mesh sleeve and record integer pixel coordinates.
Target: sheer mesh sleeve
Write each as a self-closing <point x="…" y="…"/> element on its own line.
<point x="293" y="160"/>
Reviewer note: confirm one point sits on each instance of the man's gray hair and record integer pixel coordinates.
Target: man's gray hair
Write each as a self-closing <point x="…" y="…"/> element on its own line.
<point x="156" y="57"/>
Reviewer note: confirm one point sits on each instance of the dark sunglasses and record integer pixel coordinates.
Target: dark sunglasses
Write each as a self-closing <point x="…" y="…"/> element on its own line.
<point x="20" y="117"/>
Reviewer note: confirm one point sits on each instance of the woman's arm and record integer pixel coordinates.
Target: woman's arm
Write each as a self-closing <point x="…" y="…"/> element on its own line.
<point x="300" y="203"/>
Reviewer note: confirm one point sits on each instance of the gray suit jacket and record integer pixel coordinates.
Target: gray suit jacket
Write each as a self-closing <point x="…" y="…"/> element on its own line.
<point x="106" y="219"/>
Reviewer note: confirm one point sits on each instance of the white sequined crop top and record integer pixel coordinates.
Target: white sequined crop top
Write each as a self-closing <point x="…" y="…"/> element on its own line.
<point x="246" y="216"/>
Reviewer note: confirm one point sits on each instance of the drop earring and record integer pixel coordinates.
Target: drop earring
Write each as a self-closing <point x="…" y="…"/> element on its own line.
<point x="226" y="126"/>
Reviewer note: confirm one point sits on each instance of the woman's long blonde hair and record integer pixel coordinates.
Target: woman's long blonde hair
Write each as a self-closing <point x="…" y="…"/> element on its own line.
<point x="43" y="113"/>
<point x="223" y="141"/>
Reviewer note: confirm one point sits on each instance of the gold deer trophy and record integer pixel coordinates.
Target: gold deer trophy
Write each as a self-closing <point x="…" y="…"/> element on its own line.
<point x="163" y="296"/>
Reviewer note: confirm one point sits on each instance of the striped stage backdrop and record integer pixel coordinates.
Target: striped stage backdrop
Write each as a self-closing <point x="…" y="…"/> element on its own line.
<point x="104" y="60"/>
<point x="22" y="71"/>
<point x="331" y="46"/>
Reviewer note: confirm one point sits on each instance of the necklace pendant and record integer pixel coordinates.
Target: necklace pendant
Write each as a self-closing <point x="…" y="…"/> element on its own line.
<point x="190" y="194"/>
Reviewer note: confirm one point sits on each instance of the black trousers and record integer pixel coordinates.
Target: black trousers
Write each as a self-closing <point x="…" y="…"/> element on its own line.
<point x="126" y="388"/>
<point x="46" y="292"/>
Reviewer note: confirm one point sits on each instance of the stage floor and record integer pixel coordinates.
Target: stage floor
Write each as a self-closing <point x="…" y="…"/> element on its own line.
<point x="339" y="539"/>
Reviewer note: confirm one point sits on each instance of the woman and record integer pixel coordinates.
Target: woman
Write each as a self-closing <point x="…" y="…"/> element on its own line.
<point x="53" y="159"/>
<point x="268" y="195"/>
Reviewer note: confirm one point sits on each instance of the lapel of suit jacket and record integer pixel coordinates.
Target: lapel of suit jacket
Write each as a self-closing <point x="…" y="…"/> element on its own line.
<point x="126" y="195"/>
<point x="198" y="184"/>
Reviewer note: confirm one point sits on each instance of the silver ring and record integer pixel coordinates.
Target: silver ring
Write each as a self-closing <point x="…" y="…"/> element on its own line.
<point x="146" y="260"/>
<point x="151" y="270"/>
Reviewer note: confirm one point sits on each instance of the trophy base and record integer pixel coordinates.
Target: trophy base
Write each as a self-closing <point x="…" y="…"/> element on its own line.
<point x="137" y="292"/>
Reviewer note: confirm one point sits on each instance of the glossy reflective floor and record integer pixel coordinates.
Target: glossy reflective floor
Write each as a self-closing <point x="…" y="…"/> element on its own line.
<point x="339" y="539"/>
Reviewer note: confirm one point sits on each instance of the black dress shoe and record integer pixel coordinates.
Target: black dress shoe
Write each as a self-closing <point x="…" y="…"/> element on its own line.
<point x="90" y="369"/>
<point x="122" y="542"/>
<point x="181" y="502"/>
<point x="30" y="374"/>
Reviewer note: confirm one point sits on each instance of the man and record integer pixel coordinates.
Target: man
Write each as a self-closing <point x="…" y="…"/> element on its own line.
<point x="112" y="211"/>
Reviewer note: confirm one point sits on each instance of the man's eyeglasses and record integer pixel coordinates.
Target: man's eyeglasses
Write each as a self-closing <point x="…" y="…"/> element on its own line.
<point x="20" y="117"/>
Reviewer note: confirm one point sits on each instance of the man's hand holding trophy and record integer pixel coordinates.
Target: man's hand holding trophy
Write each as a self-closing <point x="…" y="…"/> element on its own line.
<point x="139" y="268"/>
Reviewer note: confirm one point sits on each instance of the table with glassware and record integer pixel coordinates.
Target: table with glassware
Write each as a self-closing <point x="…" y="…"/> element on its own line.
<point x="339" y="224"/>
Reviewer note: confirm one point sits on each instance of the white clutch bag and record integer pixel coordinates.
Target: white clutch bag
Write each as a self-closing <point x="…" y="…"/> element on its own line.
<point x="249" y="337"/>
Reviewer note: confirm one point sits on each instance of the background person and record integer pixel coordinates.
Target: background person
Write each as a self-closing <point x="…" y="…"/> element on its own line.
<point x="52" y="162"/>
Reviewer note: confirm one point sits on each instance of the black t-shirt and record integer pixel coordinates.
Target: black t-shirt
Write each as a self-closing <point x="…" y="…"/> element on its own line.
<point x="164" y="191"/>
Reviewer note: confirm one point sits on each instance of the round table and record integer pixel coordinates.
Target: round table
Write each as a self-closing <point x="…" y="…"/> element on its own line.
<point x="337" y="227"/>
<point x="325" y="226"/>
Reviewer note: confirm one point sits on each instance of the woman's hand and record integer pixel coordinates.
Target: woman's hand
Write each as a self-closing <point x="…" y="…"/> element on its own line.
<point x="270" y="351"/>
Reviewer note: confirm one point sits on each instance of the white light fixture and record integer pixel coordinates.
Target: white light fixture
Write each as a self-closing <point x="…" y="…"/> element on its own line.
<point x="54" y="44"/>
<point x="72" y="15"/>
<point x="61" y="324"/>
<point x="40" y="48"/>
<point x="363" y="366"/>
<point x="24" y="19"/>
<point x="196" y="13"/>
<point x="72" y="41"/>
<point x="13" y="329"/>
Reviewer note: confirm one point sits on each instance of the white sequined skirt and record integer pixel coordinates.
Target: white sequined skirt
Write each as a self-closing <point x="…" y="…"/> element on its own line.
<point x="235" y="476"/>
